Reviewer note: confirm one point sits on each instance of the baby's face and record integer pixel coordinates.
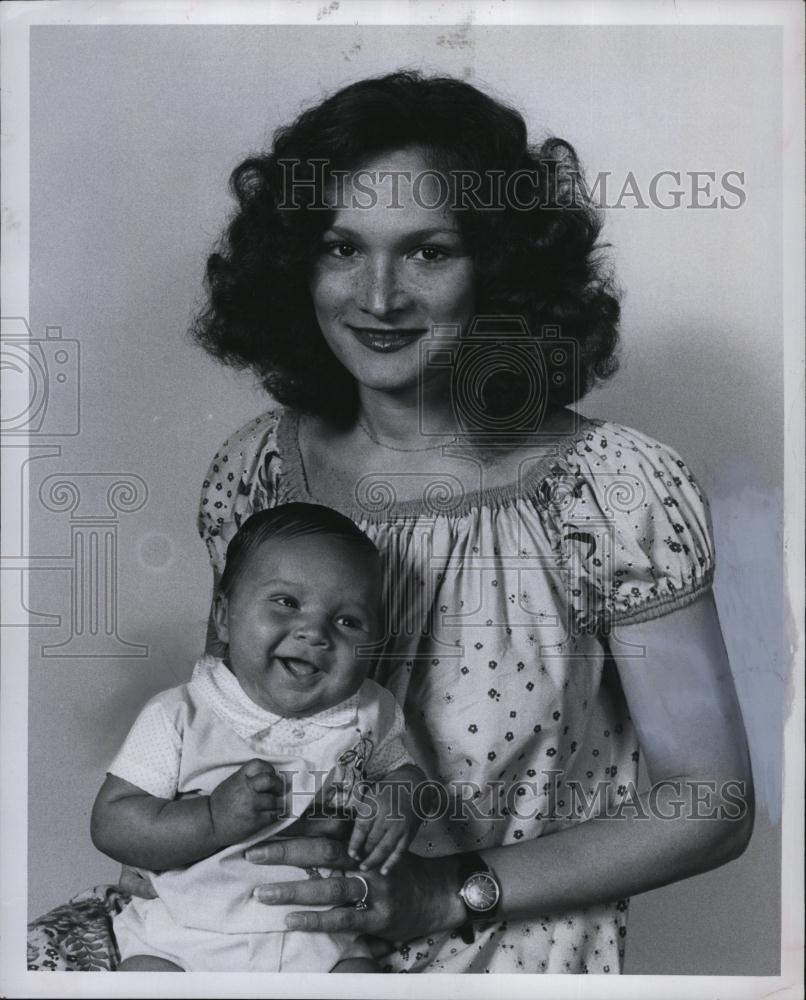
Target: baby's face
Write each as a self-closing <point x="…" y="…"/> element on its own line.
<point x="293" y="620"/>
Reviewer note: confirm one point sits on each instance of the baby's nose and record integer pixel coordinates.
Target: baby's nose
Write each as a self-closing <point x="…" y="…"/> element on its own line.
<point x="313" y="631"/>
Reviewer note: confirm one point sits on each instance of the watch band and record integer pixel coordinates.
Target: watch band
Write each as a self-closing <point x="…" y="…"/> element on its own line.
<point x="468" y="865"/>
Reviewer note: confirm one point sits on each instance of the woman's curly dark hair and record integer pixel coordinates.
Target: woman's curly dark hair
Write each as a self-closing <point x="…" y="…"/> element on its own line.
<point x="542" y="263"/>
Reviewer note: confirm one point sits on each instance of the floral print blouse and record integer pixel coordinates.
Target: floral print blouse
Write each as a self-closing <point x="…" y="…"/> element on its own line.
<point x="502" y="606"/>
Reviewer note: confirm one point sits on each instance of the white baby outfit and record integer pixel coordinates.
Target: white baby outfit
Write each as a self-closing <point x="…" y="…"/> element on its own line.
<point x="186" y="741"/>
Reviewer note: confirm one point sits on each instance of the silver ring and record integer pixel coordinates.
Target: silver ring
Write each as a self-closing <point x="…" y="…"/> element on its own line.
<point x="361" y="904"/>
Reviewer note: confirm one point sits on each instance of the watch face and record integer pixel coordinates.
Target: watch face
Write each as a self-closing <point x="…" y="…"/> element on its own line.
<point x="480" y="892"/>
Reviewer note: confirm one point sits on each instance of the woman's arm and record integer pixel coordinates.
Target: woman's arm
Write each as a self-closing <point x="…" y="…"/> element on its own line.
<point x="683" y="704"/>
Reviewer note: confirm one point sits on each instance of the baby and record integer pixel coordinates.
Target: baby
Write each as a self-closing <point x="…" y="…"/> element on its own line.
<point x="287" y="720"/>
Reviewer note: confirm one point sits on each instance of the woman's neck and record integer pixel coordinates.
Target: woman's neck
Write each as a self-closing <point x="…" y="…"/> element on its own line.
<point x="406" y="420"/>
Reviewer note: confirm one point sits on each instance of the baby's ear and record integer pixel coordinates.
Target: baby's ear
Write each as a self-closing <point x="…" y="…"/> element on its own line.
<point x="221" y="617"/>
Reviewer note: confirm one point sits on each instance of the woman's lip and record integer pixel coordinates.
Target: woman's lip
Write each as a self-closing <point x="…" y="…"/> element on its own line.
<point x="386" y="341"/>
<point x="403" y="330"/>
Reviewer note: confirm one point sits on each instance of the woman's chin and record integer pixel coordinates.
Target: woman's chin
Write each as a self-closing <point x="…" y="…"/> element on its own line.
<point x="389" y="383"/>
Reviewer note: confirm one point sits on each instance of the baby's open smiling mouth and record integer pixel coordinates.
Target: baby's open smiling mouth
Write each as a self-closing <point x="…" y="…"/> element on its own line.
<point x="301" y="670"/>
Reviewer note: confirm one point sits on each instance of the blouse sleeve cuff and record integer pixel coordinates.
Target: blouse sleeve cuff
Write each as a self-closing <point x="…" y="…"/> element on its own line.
<point x="660" y="606"/>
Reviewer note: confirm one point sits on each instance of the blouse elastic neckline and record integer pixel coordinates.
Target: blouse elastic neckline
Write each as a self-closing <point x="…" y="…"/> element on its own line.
<point x="434" y="502"/>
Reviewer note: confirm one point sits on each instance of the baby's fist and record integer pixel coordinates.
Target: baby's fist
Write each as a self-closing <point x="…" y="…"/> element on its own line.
<point x="246" y="801"/>
<point x="261" y="777"/>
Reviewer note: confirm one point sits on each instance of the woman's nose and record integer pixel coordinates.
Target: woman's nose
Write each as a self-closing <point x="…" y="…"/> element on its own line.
<point x="381" y="292"/>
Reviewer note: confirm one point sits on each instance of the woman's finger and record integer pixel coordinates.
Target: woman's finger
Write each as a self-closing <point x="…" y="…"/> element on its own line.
<point x="303" y="852"/>
<point x="333" y="827"/>
<point x="343" y="918"/>
<point x="334" y="891"/>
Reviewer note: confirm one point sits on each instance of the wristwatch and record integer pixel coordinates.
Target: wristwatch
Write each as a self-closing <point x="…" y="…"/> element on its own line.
<point x="480" y="892"/>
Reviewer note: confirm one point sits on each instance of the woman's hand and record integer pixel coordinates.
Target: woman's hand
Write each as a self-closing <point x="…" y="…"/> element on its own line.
<point x="416" y="898"/>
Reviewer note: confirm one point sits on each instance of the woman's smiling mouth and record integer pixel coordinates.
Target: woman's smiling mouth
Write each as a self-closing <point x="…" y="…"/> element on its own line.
<point x="386" y="341"/>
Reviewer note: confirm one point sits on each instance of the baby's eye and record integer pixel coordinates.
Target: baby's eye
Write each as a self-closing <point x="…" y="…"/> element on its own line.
<point x="285" y="602"/>
<point x="348" y="621"/>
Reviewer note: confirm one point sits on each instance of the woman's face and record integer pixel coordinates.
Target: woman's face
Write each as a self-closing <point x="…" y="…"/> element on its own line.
<point x="386" y="274"/>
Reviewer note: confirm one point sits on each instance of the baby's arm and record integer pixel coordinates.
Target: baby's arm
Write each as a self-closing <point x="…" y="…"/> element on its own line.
<point x="137" y="828"/>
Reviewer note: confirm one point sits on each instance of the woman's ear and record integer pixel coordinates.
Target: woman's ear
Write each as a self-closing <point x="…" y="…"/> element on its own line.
<point x="221" y="618"/>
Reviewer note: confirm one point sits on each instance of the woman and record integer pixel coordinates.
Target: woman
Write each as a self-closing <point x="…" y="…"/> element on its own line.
<point x="422" y="293"/>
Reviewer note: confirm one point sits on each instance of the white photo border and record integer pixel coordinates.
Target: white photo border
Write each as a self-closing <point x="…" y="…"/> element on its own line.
<point x="17" y="18"/>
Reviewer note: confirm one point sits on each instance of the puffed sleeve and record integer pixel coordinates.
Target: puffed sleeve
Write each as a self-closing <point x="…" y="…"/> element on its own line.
<point x="635" y="532"/>
<point x="152" y="752"/>
<point x="243" y="477"/>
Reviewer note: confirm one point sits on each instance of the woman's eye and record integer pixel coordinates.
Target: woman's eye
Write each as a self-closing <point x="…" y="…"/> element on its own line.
<point x="285" y="602"/>
<point x="431" y="254"/>
<point x="343" y="251"/>
<point x="349" y="622"/>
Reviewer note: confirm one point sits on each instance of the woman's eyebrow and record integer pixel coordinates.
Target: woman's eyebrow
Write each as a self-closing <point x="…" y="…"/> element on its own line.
<point x="344" y="232"/>
<point x="425" y="234"/>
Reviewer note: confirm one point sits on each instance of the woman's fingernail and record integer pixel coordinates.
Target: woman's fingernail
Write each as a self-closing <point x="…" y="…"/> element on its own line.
<point x="265" y="855"/>
<point x="266" y="893"/>
<point x="295" y="923"/>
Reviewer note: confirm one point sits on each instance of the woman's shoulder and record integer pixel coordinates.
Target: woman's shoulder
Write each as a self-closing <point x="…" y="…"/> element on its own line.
<point x="605" y="440"/>
<point x="622" y="470"/>
<point x="255" y="435"/>
<point x="244" y="476"/>
<point x="606" y="449"/>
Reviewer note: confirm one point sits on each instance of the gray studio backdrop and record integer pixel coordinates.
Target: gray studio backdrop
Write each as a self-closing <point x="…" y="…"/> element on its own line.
<point x="134" y="131"/>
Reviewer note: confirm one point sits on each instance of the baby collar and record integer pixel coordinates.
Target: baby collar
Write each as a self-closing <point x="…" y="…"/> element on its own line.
<point x="218" y="686"/>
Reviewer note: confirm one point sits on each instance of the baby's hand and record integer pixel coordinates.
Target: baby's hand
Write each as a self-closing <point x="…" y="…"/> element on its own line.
<point x="246" y="801"/>
<point x="387" y="821"/>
